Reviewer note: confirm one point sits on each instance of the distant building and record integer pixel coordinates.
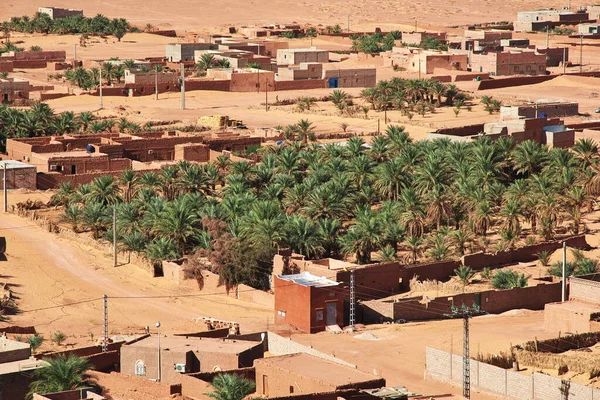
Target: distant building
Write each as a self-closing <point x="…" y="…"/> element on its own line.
<point x="303" y="374"/>
<point x="426" y="61"/>
<point x="12" y="89"/>
<point x="540" y="20"/>
<point x="56" y="13"/>
<point x="588" y="29"/>
<point x="150" y="77"/>
<point x="178" y="52"/>
<point x="548" y="108"/>
<point x="245" y="79"/>
<point x="180" y="355"/>
<point x="349" y="77"/>
<point x="308" y="302"/>
<point x="236" y="58"/>
<point x="514" y="62"/>
<point x="416" y="38"/>
<point x="298" y="56"/>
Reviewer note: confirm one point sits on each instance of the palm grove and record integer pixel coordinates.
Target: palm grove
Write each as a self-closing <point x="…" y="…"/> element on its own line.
<point x="393" y="200"/>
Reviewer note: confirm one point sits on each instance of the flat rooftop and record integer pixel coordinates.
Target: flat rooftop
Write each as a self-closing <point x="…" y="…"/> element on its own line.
<point x="9" y="345"/>
<point x="206" y="345"/>
<point x="70" y="154"/>
<point x="308" y="279"/>
<point x="318" y="369"/>
<point x="12" y="164"/>
<point x="21" y="365"/>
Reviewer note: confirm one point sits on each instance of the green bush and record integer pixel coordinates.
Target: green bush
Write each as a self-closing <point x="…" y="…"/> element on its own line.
<point x="508" y="279"/>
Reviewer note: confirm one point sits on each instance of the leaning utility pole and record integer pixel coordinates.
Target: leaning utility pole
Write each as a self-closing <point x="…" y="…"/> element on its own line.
<point x="466" y="313"/>
<point x="182" y="85"/>
<point x="105" y="340"/>
<point x="352" y="300"/>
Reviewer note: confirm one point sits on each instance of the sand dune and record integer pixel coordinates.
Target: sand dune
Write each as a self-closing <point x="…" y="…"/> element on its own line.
<point x="195" y="15"/>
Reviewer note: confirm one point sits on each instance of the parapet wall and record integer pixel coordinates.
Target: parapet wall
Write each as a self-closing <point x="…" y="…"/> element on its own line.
<point x="514" y="81"/>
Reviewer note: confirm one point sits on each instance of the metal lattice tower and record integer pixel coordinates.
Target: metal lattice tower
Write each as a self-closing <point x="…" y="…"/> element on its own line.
<point x="352" y="300"/>
<point x="466" y="313"/>
<point x="466" y="359"/>
<point x="105" y="340"/>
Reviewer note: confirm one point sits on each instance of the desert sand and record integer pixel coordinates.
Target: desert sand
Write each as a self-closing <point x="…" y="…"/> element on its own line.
<point x="194" y="15"/>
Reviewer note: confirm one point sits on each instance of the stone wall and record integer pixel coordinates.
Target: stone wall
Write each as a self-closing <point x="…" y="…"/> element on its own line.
<point x="445" y="367"/>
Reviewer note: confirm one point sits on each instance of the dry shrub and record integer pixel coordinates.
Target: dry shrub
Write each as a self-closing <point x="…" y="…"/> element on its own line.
<point x="563" y="369"/>
<point x="194" y="272"/>
<point x="560" y="345"/>
<point x="30" y="205"/>
<point x="583" y="362"/>
<point x="502" y="360"/>
<point x="450" y="287"/>
<point x="594" y="373"/>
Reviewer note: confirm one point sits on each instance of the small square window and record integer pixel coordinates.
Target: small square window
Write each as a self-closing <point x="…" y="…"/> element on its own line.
<point x="319" y="315"/>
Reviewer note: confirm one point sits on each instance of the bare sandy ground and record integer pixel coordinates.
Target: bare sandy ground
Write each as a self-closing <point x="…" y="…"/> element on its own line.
<point x="194" y="15"/>
<point x="48" y="274"/>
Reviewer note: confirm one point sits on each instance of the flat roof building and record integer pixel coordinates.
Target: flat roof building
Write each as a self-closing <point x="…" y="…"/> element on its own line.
<point x="298" y="56"/>
<point x="514" y="62"/>
<point x="308" y="302"/>
<point x="12" y="89"/>
<point x="304" y="374"/>
<point x="56" y="13"/>
<point x="181" y="355"/>
<point x="16" y="367"/>
<point x="178" y="52"/>
<point x="18" y="175"/>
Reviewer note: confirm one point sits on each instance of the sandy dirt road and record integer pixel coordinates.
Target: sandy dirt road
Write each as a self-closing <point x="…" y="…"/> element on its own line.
<point x="48" y="274"/>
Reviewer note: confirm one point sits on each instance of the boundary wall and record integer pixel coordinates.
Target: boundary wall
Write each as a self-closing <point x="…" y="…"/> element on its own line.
<point x="445" y="367"/>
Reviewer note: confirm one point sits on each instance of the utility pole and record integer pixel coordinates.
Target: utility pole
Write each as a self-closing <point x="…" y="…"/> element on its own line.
<point x="105" y="341"/>
<point x="352" y="300"/>
<point x="5" y="186"/>
<point x="74" y="55"/>
<point x="564" y="272"/>
<point x="266" y="95"/>
<point x="182" y="100"/>
<point x="547" y="37"/>
<point x="101" y="103"/>
<point x="155" y="83"/>
<point x="115" y="236"/>
<point x="159" y="360"/>
<point x="564" y="60"/>
<point x="581" y="53"/>
<point x="466" y="313"/>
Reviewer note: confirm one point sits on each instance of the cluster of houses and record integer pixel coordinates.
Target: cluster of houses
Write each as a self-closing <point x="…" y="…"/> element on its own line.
<point x="162" y="366"/>
<point x="45" y="162"/>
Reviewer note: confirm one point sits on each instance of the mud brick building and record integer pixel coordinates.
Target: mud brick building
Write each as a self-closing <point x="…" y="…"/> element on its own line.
<point x="81" y="158"/>
<point x="297" y="56"/>
<point x="177" y="52"/>
<point x="12" y="89"/>
<point x="416" y="38"/>
<point x="304" y="374"/>
<point x="150" y="78"/>
<point x="549" y="109"/>
<point x="245" y="79"/>
<point x="184" y="355"/>
<point x="18" y="175"/>
<point x="16" y="369"/>
<point x="56" y="13"/>
<point x="308" y="302"/>
<point x="540" y="20"/>
<point x="509" y="63"/>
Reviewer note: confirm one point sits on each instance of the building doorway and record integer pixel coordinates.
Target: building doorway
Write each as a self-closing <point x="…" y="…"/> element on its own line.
<point x="73" y="169"/>
<point x="333" y="83"/>
<point x="331" y="313"/>
<point x="265" y="385"/>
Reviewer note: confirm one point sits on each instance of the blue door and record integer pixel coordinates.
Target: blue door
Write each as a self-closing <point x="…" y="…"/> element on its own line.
<point x="333" y="83"/>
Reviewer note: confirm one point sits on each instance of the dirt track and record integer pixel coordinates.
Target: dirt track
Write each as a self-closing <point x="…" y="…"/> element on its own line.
<point x="50" y="273"/>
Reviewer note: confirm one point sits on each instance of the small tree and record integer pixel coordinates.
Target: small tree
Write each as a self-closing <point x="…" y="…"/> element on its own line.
<point x="508" y="279"/>
<point x="344" y="126"/>
<point x="231" y="387"/>
<point x="58" y="338"/>
<point x="465" y="274"/>
<point x="544" y="257"/>
<point x="35" y="342"/>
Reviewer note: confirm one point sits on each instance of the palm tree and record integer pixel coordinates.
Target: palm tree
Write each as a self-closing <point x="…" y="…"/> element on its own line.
<point x="460" y="238"/>
<point x="465" y="274"/>
<point x="72" y="215"/>
<point x="414" y="245"/>
<point x="364" y="237"/>
<point x="178" y="222"/>
<point x="529" y="158"/>
<point x="303" y="238"/>
<point x="61" y="373"/>
<point x="231" y="387"/>
<point x="511" y="212"/>
<point x="95" y="216"/>
<point x="128" y="181"/>
<point x="103" y="190"/>
<point x="305" y="130"/>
